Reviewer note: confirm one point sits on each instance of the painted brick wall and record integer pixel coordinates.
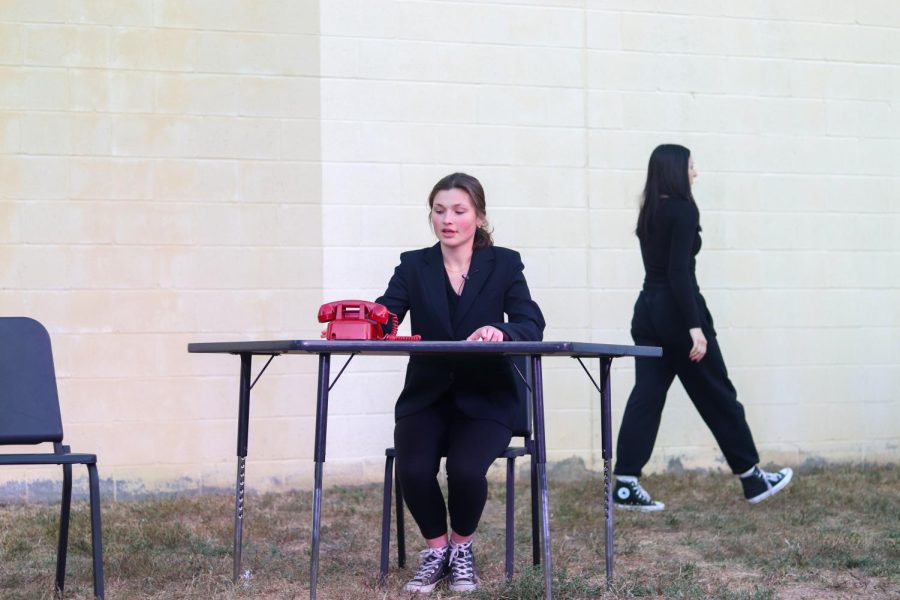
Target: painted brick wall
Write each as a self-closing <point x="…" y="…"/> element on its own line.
<point x="175" y="172"/>
<point x="412" y="91"/>
<point x="160" y="184"/>
<point x="789" y="110"/>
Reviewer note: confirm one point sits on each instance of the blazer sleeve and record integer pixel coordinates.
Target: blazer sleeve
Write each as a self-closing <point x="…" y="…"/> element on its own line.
<point x="525" y="321"/>
<point x="396" y="296"/>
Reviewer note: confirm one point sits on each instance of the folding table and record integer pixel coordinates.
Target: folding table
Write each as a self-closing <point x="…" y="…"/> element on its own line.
<point x="535" y="351"/>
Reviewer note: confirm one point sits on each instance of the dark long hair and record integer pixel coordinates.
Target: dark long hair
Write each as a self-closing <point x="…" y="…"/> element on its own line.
<point x="472" y="187"/>
<point x="667" y="177"/>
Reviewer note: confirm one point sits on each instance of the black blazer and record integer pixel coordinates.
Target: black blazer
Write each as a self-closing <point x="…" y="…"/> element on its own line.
<point x="481" y="386"/>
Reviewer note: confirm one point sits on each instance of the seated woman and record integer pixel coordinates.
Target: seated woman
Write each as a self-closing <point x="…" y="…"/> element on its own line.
<point x="458" y="407"/>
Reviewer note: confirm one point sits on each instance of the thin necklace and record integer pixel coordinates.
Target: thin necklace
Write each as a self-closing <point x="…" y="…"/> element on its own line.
<point x="464" y="271"/>
<point x="461" y="285"/>
<point x="462" y="274"/>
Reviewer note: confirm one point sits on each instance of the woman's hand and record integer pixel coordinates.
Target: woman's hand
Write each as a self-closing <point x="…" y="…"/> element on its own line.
<point x="698" y="351"/>
<point x="486" y="334"/>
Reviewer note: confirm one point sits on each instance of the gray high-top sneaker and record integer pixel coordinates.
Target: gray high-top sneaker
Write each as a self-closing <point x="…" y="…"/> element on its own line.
<point x="463" y="576"/>
<point x="433" y="569"/>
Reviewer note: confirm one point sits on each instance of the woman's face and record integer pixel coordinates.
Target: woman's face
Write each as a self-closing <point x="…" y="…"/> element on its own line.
<point x="454" y="218"/>
<point x="692" y="172"/>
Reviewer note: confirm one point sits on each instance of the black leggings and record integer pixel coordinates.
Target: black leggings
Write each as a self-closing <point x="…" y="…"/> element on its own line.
<point x="470" y="445"/>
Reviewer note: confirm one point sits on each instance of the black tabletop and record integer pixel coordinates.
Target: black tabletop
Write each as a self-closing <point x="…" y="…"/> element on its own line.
<point x="387" y="348"/>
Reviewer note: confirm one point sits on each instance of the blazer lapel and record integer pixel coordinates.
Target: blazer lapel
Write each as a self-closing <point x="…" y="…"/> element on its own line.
<point x="479" y="272"/>
<point x="434" y="277"/>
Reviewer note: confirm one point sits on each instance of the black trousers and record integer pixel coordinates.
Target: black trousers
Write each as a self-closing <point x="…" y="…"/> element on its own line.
<point x="470" y="445"/>
<point x="657" y="322"/>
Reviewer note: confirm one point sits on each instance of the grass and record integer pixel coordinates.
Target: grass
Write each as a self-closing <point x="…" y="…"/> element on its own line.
<point x="834" y="533"/>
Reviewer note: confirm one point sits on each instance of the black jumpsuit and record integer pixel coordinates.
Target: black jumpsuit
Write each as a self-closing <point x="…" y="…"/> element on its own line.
<point x="668" y="306"/>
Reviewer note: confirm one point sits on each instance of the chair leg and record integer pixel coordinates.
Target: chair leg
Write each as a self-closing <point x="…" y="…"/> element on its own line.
<point x="64" y="511"/>
<point x="96" y="535"/>
<point x="401" y="528"/>
<point x="535" y="518"/>
<point x="510" y="515"/>
<point x="386" y="517"/>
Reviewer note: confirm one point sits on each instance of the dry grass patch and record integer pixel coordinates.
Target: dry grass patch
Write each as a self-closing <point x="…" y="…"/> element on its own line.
<point x="834" y="533"/>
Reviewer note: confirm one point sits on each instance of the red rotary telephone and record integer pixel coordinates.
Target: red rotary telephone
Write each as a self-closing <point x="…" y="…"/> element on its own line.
<point x="359" y="320"/>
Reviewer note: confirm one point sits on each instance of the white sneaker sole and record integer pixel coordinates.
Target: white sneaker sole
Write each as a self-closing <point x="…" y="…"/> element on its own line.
<point x="422" y="589"/>
<point x="638" y="508"/>
<point x="775" y="488"/>
<point x="463" y="587"/>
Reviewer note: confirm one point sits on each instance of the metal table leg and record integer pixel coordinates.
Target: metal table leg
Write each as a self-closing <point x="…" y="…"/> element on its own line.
<point x="540" y="458"/>
<point x="243" y="427"/>
<point x="606" y="441"/>
<point x="319" y="457"/>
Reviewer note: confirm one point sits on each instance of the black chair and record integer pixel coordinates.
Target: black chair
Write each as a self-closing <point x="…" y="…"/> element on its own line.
<point x="523" y="429"/>
<point x="30" y="407"/>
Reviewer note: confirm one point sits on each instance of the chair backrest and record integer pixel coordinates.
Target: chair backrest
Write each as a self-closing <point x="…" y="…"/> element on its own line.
<point x="522" y="423"/>
<point x="29" y="403"/>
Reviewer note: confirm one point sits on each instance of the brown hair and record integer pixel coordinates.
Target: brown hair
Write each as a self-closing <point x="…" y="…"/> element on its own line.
<point x="472" y="187"/>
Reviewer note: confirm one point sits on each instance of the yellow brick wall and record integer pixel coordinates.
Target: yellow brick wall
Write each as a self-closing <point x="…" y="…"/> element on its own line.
<point x="212" y="170"/>
<point x="790" y="109"/>
<point x="160" y="183"/>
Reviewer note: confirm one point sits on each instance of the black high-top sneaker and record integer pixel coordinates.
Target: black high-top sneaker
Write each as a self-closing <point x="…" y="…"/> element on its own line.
<point x="433" y="569"/>
<point x="759" y="485"/>
<point x="629" y="495"/>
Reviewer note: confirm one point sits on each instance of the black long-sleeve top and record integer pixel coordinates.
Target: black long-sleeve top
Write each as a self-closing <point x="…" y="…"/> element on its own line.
<point x="669" y="252"/>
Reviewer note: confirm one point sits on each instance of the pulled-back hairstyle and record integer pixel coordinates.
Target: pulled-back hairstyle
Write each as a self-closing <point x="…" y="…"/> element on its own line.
<point x="667" y="177"/>
<point x="472" y="187"/>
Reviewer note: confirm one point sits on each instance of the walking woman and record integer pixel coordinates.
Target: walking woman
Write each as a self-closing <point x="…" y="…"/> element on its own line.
<point x="670" y="312"/>
<point x="459" y="407"/>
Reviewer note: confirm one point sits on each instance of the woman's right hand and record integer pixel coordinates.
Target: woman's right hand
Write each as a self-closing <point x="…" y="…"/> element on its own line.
<point x="486" y="334"/>
<point x="698" y="351"/>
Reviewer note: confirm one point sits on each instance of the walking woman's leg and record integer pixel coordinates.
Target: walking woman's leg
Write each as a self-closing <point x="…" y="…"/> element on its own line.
<point x="715" y="398"/>
<point x="643" y="412"/>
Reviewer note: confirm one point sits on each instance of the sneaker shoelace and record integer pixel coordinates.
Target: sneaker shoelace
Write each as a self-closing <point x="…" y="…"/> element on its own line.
<point x="770" y="478"/>
<point x="641" y="493"/>
<point x="432" y="560"/>
<point x="461" y="562"/>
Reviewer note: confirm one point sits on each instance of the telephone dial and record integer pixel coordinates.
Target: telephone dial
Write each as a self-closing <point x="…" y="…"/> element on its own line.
<point x="359" y="320"/>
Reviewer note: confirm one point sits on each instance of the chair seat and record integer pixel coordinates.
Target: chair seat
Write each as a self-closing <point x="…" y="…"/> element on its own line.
<point x="48" y="459"/>
<point x="514" y="452"/>
<point x="511" y="452"/>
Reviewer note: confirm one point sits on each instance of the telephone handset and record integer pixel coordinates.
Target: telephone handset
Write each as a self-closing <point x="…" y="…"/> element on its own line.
<point x="359" y="320"/>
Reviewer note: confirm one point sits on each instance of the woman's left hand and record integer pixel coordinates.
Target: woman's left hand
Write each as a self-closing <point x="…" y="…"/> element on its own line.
<point x="486" y="334"/>
<point x="698" y="347"/>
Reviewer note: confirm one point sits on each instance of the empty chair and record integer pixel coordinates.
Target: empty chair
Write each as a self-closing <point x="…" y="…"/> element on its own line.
<point x="30" y="407"/>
